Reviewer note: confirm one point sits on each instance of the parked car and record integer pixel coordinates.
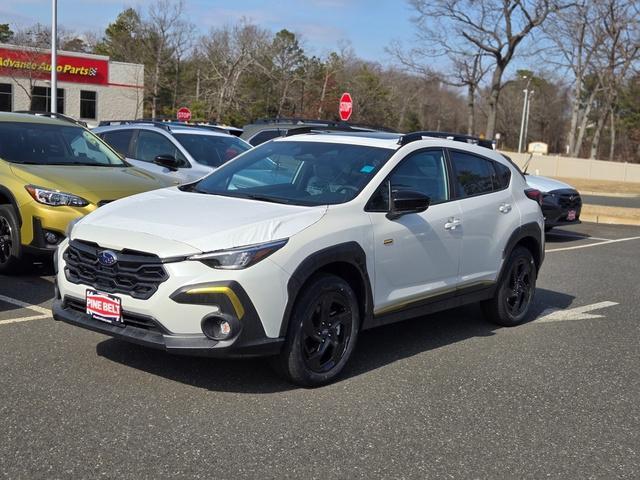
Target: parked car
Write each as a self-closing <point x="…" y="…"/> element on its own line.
<point x="185" y="153"/>
<point x="295" y="247"/>
<point x="53" y="171"/>
<point x="561" y="203"/>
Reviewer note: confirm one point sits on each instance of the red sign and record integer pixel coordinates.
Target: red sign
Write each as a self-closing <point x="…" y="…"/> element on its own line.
<point x="103" y="306"/>
<point x="346" y="107"/>
<point x="36" y="64"/>
<point x="184" y="114"/>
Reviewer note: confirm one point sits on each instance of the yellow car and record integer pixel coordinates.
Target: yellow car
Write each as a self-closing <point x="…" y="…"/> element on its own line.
<point x="51" y="173"/>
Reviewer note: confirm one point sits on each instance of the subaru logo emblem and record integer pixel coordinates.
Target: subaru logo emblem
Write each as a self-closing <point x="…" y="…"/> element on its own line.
<point x="107" y="258"/>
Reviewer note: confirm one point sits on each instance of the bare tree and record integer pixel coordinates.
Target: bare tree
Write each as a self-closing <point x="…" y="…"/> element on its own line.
<point x="495" y="27"/>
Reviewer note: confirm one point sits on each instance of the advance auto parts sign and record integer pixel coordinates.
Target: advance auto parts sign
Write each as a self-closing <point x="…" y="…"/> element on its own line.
<point x="29" y="64"/>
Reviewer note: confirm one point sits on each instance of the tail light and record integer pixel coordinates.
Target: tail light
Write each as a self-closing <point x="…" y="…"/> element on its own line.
<point x="534" y="194"/>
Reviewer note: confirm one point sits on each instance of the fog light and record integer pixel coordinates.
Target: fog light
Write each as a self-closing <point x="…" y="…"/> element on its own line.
<point x="220" y="327"/>
<point x="51" y="238"/>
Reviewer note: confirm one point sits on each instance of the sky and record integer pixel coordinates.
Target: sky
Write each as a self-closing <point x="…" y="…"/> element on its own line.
<point x="369" y="26"/>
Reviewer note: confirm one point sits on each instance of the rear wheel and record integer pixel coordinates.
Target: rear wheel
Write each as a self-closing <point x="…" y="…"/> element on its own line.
<point x="512" y="301"/>
<point x="10" y="249"/>
<point x="322" y="332"/>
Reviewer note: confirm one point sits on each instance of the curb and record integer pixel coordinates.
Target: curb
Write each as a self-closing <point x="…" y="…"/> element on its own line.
<point x="610" y="215"/>
<point x="609" y="194"/>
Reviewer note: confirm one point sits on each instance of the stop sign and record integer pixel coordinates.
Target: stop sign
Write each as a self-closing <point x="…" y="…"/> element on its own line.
<point x="346" y="107"/>
<point x="184" y="114"/>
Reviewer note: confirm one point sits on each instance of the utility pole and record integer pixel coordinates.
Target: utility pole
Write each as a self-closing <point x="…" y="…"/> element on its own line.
<point x="197" y="85"/>
<point x="53" y="98"/>
<point x="524" y="112"/>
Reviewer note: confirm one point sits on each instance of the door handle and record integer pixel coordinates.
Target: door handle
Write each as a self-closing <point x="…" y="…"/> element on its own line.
<point x="505" y="208"/>
<point x="452" y="224"/>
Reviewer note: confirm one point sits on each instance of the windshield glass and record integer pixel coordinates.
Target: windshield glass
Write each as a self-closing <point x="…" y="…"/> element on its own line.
<point x="300" y="173"/>
<point x="45" y="144"/>
<point x="212" y="150"/>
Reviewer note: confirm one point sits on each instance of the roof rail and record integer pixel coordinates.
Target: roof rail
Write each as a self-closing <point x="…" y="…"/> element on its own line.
<point x="457" y="137"/>
<point x="301" y="121"/>
<point x="56" y="115"/>
<point x="164" y="125"/>
<point x="323" y="129"/>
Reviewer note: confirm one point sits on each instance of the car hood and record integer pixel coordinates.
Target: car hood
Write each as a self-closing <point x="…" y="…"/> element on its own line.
<point x="546" y="184"/>
<point x="171" y="222"/>
<point x="92" y="183"/>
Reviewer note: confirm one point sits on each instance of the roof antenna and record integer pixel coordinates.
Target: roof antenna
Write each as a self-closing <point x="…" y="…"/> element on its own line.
<point x="526" y="165"/>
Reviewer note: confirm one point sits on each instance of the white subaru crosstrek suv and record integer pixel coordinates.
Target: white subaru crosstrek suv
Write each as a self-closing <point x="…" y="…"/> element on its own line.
<point x="293" y="248"/>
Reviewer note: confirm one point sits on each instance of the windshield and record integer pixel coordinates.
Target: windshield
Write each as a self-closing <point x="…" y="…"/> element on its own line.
<point x="300" y="173"/>
<point x="212" y="150"/>
<point x="47" y="144"/>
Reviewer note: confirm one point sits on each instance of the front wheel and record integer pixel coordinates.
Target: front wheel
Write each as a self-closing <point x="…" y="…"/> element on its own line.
<point x="10" y="248"/>
<point x="322" y="333"/>
<point x="511" y="303"/>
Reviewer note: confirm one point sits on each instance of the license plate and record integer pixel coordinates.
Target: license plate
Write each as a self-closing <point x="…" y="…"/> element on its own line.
<point x="571" y="216"/>
<point x="104" y="307"/>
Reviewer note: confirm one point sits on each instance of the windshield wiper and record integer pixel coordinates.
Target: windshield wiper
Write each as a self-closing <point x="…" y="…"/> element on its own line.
<point x="265" y="198"/>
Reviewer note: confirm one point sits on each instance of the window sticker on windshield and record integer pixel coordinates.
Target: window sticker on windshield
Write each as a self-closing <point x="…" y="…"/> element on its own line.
<point x="367" y="169"/>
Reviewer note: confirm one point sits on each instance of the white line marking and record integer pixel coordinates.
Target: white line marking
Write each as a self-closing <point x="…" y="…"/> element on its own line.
<point x="592" y="244"/>
<point x="22" y="304"/>
<point x="578" y="313"/>
<point x="24" y="319"/>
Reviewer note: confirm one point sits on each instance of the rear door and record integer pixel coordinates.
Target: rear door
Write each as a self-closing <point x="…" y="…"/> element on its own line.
<point x="148" y="145"/>
<point x="417" y="255"/>
<point x="489" y="216"/>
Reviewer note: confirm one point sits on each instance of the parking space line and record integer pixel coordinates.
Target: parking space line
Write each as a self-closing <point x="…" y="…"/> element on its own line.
<point x="20" y="303"/>
<point x="592" y="244"/>
<point x="24" y="319"/>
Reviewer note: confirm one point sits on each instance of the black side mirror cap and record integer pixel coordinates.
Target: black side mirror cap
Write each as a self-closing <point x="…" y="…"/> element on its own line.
<point x="403" y="202"/>
<point x="167" y="161"/>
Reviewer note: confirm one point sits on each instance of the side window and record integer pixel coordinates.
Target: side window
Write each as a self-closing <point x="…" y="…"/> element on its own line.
<point x="152" y="144"/>
<point x="473" y="174"/>
<point x="264" y="136"/>
<point x="424" y="172"/>
<point x="119" y="140"/>
<point x="502" y="175"/>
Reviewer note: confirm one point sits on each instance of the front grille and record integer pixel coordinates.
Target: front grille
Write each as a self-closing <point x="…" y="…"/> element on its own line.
<point x="570" y="200"/>
<point x="129" y="319"/>
<point x="136" y="274"/>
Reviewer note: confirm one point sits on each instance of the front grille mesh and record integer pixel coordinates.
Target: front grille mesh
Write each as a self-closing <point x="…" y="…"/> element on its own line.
<point x="129" y="319"/>
<point x="136" y="274"/>
<point x="570" y="200"/>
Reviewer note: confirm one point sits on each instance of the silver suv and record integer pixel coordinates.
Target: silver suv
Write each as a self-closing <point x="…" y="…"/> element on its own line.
<point x="181" y="152"/>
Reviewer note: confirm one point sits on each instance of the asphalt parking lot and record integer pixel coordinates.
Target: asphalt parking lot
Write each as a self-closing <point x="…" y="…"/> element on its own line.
<point x="444" y="396"/>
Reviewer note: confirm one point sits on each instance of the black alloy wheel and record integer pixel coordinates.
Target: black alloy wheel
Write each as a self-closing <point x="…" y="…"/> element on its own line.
<point x="326" y="332"/>
<point x="322" y="334"/>
<point x="6" y="241"/>
<point x="521" y="289"/>
<point x="515" y="289"/>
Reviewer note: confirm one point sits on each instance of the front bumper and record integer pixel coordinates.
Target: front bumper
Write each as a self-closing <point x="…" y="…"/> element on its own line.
<point x="247" y="344"/>
<point x="556" y="208"/>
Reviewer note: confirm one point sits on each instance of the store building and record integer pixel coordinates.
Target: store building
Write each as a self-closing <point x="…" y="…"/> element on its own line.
<point x="91" y="88"/>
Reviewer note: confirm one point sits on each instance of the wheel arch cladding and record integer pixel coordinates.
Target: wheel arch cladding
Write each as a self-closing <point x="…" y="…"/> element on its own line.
<point x="346" y="260"/>
<point x="7" y="198"/>
<point x="529" y="236"/>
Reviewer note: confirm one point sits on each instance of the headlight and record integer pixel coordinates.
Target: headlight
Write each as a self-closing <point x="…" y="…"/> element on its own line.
<point x="239" y="258"/>
<point x="55" y="198"/>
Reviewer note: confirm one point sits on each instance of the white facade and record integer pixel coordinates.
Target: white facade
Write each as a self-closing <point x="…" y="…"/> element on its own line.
<point x="119" y="97"/>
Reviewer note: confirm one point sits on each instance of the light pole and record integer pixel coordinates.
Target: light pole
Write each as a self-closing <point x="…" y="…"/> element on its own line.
<point x="54" y="56"/>
<point x="526" y="122"/>
<point x="524" y="112"/>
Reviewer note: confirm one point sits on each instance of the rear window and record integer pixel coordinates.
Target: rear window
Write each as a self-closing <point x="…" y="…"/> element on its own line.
<point x="119" y="140"/>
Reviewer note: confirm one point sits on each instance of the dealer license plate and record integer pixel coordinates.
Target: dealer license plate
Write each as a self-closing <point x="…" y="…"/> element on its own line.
<point x="104" y="307"/>
<point x="571" y="215"/>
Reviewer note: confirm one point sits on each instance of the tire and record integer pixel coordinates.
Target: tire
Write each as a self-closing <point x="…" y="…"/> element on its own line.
<point x="10" y="248"/>
<point x="516" y="288"/>
<point x="322" y="334"/>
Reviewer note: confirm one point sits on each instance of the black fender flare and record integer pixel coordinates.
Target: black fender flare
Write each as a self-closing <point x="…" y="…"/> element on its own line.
<point x="5" y="192"/>
<point x="350" y="253"/>
<point x="528" y="230"/>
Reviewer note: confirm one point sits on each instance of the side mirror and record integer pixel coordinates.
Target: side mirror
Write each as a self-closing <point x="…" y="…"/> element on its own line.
<point x="167" y="161"/>
<point x="406" y="201"/>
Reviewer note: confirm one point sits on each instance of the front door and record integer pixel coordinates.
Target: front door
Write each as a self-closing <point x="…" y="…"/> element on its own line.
<point x="416" y="255"/>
